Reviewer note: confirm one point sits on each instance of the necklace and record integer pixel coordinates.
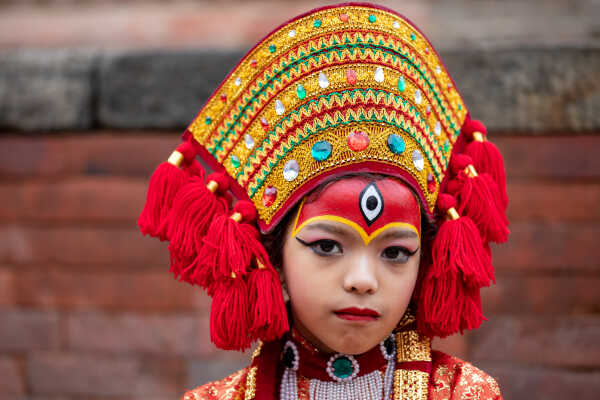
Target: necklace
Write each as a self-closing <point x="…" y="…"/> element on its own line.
<point x="345" y="378"/>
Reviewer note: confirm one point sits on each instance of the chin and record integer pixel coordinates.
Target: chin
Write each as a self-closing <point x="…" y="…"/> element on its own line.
<point x="353" y="345"/>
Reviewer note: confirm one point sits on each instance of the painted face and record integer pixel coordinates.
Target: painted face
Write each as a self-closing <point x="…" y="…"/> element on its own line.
<point x="350" y="262"/>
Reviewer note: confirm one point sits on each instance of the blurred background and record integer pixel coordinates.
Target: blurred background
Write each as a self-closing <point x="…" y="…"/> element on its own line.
<point x="95" y="93"/>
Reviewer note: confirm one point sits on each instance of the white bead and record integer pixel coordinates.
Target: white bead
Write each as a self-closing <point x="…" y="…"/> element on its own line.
<point x="379" y="75"/>
<point x="323" y="81"/>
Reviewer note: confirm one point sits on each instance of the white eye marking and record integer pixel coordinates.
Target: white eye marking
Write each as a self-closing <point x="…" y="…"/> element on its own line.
<point x="370" y="203"/>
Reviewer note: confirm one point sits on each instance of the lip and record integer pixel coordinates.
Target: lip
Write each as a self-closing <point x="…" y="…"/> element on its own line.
<point x="357" y="314"/>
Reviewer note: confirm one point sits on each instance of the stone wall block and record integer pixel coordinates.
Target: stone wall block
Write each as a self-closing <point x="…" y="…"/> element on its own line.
<point x="46" y="89"/>
<point x="530" y="90"/>
<point x="158" y="89"/>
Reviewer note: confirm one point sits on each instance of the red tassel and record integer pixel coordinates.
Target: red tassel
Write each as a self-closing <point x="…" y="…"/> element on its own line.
<point x="460" y="266"/>
<point x="165" y="182"/>
<point x="486" y="156"/>
<point x="229" y="328"/>
<point x="195" y="206"/>
<point x="478" y="197"/>
<point x="230" y="245"/>
<point x="268" y="314"/>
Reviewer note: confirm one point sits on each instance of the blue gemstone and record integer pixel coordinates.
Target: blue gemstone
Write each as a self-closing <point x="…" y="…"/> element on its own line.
<point x="396" y="143"/>
<point x="321" y="150"/>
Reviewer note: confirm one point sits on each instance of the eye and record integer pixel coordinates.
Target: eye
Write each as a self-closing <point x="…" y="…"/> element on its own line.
<point x="323" y="247"/>
<point x="397" y="254"/>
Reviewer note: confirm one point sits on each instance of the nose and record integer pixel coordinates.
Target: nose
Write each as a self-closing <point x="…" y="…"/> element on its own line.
<point x="360" y="276"/>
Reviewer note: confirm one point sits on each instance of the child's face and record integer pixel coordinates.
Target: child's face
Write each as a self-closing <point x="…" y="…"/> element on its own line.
<point x="350" y="263"/>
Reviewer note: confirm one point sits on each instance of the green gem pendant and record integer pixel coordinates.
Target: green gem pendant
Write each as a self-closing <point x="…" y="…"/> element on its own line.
<point x="342" y="367"/>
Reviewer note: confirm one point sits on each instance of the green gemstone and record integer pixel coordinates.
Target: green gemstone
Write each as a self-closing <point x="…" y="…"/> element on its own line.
<point x="321" y="150"/>
<point x="235" y="161"/>
<point x="446" y="146"/>
<point x="300" y="92"/>
<point x="207" y="120"/>
<point x="372" y="18"/>
<point x="317" y="23"/>
<point x="272" y="48"/>
<point x="342" y="367"/>
<point x="401" y="84"/>
<point x="396" y="143"/>
<point x="413" y="36"/>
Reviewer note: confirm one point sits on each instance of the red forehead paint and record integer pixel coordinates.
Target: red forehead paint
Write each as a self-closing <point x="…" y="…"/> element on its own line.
<point x="372" y="205"/>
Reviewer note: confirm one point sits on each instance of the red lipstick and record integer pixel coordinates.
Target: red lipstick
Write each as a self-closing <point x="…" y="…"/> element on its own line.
<point x="357" y="314"/>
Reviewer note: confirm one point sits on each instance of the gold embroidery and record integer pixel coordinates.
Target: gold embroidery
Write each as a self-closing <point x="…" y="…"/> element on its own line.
<point x="250" y="391"/>
<point x="257" y="350"/>
<point x="413" y="346"/>
<point x="410" y="385"/>
<point x="416" y="94"/>
<point x="341" y="155"/>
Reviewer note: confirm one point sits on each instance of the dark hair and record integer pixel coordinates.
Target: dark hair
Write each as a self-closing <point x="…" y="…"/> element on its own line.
<point x="274" y="240"/>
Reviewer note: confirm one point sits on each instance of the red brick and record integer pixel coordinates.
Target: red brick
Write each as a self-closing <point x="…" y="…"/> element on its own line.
<point x="560" y="340"/>
<point x="183" y="335"/>
<point x="108" y="153"/>
<point x="11" y="381"/>
<point x="89" y="199"/>
<point x="82" y="246"/>
<point x="549" y="247"/>
<point x="55" y="373"/>
<point x="519" y="382"/>
<point x="28" y="330"/>
<point x="543" y="295"/>
<point x="565" y="157"/>
<point x="143" y="291"/>
<point x="7" y="291"/>
<point x="554" y="201"/>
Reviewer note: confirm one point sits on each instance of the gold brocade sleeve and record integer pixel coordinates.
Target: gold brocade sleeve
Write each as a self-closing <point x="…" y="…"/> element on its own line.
<point x="230" y="388"/>
<point x="455" y="379"/>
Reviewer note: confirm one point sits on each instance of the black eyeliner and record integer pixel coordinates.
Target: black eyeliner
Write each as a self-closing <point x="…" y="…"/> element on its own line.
<point x="303" y="242"/>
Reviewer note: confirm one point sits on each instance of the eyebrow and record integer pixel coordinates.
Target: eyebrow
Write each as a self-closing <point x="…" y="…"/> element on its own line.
<point x="328" y="228"/>
<point x="399" y="234"/>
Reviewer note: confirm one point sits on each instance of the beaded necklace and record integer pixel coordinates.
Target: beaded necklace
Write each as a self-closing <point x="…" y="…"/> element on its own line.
<point x="340" y="377"/>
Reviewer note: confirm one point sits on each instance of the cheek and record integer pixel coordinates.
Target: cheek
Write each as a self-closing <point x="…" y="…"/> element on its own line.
<point x="398" y="287"/>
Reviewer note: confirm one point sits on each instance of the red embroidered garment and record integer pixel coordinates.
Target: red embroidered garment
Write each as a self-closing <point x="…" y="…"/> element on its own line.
<point x="451" y="378"/>
<point x="420" y="373"/>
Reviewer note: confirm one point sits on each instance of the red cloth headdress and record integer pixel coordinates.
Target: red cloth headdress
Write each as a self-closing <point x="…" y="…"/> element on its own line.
<point x="347" y="88"/>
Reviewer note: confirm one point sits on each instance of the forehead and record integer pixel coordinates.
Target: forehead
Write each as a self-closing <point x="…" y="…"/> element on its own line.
<point x="367" y="205"/>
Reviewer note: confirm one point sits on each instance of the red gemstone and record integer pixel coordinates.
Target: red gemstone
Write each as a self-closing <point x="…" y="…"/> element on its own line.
<point x="265" y="124"/>
<point x="426" y="50"/>
<point x="431" y="186"/>
<point x="223" y="97"/>
<point x="358" y="140"/>
<point x="344" y="17"/>
<point x="253" y="63"/>
<point x="351" y="76"/>
<point x="269" y="196"/>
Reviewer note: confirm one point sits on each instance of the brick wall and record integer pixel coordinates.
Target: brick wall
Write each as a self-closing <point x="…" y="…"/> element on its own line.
<point x="88" y="309"/>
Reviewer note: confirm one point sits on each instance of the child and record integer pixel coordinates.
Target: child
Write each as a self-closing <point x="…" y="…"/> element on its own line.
<point x="343" y="138"/>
